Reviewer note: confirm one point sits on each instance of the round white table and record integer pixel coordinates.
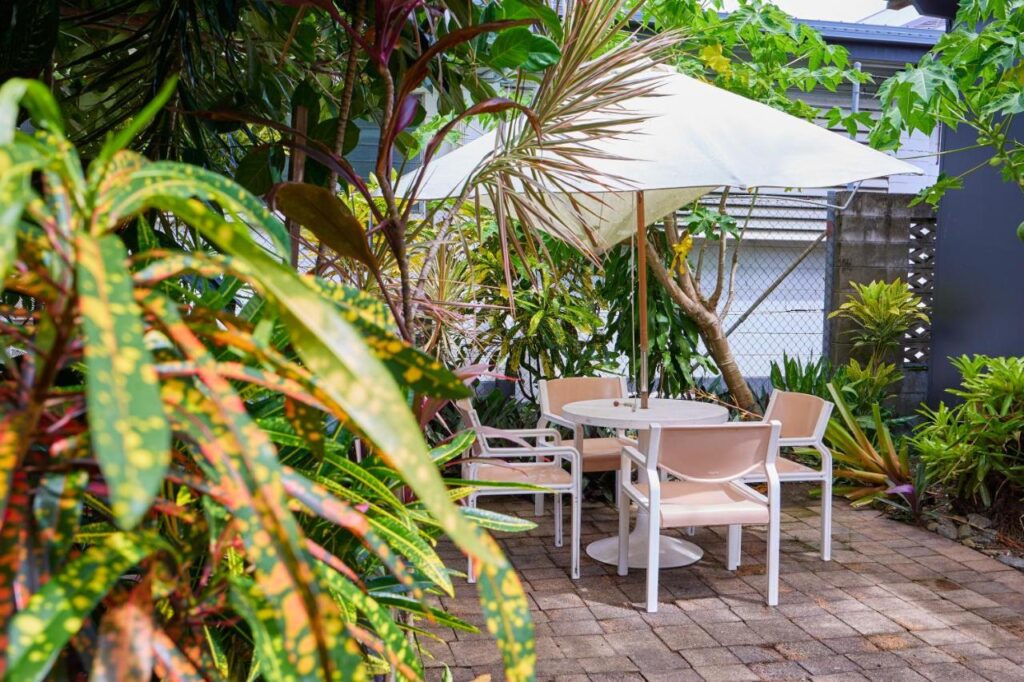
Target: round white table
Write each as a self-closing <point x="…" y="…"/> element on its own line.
<point x="619" y="413"/>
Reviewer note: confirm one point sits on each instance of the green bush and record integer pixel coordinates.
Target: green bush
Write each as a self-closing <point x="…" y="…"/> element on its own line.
<point x="975" y="447"/>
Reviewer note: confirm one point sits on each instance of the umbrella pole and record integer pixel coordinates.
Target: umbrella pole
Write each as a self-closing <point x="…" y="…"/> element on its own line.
<point x="641" y="230"/>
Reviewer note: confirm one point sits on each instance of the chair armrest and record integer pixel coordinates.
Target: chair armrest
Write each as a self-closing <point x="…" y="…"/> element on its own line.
<point x="537" y="434"/>
<point x="555" y="419"/>
<point x="567" y="453"/>
<point x="630" y="452"/>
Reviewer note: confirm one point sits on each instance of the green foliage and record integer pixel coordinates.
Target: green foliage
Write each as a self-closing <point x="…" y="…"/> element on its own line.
<point x="974" y="76"/>
<point x="882" y="312"/>
<point x="554" y="329"/>
<point x="757" y="51"/>
<point x="880" y="470"/>
<point x="976" y="447"/>
<point x="177" y="421"/>
<point x="866" y="385"/>
<point x="802" y="377"/>
<point x="675" y="354"/>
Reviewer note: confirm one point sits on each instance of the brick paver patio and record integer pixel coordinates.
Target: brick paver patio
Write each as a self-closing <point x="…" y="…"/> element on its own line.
<point x="895" y="603"/>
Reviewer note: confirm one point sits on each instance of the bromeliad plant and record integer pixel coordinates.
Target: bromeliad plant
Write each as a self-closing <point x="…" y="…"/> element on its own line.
<point x="175" y="495"/>
<point x="879" y="470"/>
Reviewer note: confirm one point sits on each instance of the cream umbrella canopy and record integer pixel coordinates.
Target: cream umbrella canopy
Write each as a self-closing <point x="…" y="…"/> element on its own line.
<point x="683" y="139"/>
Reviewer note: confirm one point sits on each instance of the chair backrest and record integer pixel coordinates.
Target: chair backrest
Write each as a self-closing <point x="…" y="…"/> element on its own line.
<point x="557" y="393"/>
<point x="803" y="416"/>
<point x="715" y="453"/>
<point x="470" y="420"/>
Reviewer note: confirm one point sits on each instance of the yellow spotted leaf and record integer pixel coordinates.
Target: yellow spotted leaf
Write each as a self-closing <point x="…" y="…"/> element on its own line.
<point x="129" y="433"/>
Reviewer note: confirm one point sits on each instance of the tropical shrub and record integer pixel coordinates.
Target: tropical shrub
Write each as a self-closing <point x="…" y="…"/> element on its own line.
<point x="675" y="353"/>
<point x="811" y="376"/>
<point x="877" y="468"/>
<point x="972" y="77"/>
<point x="175" y="493"/>
<point x="976" y="447"/>
<point x="549" y="324"/>
<point x="882" y="312"/>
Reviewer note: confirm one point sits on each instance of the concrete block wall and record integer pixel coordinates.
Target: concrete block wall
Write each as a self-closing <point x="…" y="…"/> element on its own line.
<point x="871" y="240"/>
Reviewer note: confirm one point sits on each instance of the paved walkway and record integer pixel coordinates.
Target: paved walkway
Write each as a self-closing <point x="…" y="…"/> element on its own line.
<point x="895" y="603"/>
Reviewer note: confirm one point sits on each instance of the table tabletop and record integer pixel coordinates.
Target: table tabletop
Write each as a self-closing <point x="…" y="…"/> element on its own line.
<point x="626" y="413"/>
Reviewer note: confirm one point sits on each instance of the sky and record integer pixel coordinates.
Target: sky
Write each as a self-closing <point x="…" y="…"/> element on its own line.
<point x="830" y="10"/>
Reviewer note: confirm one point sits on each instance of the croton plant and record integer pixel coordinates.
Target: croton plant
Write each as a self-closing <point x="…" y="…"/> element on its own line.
<point x="177" y="407"/>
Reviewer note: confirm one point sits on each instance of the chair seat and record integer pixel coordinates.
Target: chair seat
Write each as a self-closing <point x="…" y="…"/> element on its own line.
<point x="602" y="454"/>
<point x="533" y="474"/>
<point x="788" y="471"/>
<point x="686" y="503"/>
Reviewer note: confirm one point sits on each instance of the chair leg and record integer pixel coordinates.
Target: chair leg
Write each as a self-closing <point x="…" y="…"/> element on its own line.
<point x="470" y="575"/>
<point x="538" y="504"/>
<point x="623" y="535"/>
<point x="575" y="535"/>
<point x="773" y="555"/>
<point x="558" y="520"/>
<point x="618" y="487"/>
<point x="653" y="552"/>
<point x="826" y="518"/>
<point x="735" y="542"/>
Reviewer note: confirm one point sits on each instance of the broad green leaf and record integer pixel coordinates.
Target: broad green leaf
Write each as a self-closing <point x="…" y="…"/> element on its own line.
<point x="169" y="179"/>
<point x="521" y="48"/>
<point x="56" y="612"/>
<point x="507" y="615"/>
<point x="308" y="423"/>
<point x="397" y="648"/>
<point x="334" y="352"/>
<point x="321" y="212"/>
<point x="493" y="520"/>
<point x="445" y="453"/>
<point x="409" y="365"/>
<point x="243" y="461"/>
<point x="410" y="544"/>
<point x="34" y="96"/>
<point x="129" y="432"/>
<point x="57" y="507"/>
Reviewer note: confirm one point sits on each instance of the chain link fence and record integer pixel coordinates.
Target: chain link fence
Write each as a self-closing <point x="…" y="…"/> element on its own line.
<point x="779" y="286"/>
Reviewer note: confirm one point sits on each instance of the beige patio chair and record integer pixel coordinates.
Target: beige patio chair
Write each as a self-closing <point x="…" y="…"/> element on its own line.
<point x="710" y="463"/>
<point x="804" y="419"/>
<point x="599" y="453"/>
<point x="505" y="464"/>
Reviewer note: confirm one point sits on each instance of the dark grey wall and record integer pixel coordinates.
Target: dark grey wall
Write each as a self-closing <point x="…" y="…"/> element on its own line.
<point x="979" y="265"/>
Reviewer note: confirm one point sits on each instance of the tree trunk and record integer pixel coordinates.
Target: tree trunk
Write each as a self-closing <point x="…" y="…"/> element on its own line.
<point x="710" y="329"/>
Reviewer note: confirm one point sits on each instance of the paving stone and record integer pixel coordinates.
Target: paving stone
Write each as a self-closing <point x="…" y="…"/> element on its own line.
<point x="997" y="669"/>
<point x="728" y="634"/>
<point x="761" y="653"/>
<point x="949" y="672"/>
<point x="828" y="665"/>
<point x="824" y="627"/>
<point x="779" y="670"/>
<point x="654" y="662"/>
<point x="894" y="675"/>
<point x="876" y="659"/>
<point x="475" y="652"/>
<point x="701" y="658"/>
<point x="727" y="673"/>
<point x="684" y="637"/>
<point x="896" y="603"/>
<point x="800" y="651"/>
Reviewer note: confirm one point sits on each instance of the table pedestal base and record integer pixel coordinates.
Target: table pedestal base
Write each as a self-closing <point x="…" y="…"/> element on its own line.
<point x="672" y="552"/>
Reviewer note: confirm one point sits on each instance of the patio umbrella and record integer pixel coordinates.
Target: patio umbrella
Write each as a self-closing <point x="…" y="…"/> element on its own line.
<point x="685" y="139"/>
